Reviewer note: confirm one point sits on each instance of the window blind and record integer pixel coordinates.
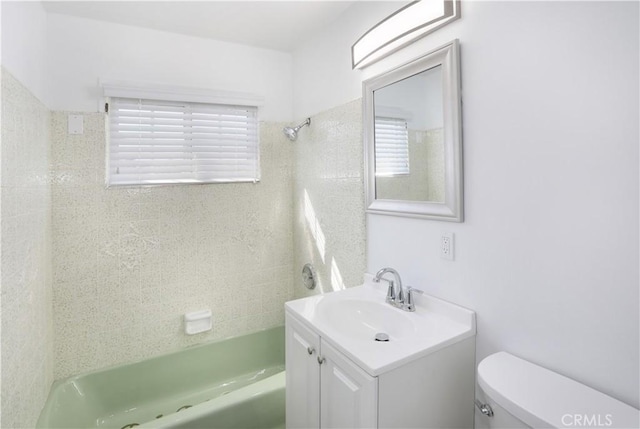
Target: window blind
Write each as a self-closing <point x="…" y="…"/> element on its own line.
<point x="392" y="146"/>
<point x="163" y="142"/>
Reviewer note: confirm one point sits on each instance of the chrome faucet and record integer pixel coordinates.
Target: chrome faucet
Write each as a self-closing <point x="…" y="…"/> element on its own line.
<point x="395" y="292"/>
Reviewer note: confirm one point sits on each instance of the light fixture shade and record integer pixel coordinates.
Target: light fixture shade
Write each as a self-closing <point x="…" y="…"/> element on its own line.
<point x="415" y="20"/>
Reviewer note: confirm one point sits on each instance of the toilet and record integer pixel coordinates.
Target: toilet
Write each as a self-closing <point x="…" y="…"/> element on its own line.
<point x="515" y="393"/>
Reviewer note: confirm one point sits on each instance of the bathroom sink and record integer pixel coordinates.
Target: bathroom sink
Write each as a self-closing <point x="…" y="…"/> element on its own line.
<point x="363" y="319"/>
<point x="350" y="319"/>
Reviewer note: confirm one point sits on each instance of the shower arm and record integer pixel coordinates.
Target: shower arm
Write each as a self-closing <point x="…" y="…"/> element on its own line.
<point x="306" y="122"/>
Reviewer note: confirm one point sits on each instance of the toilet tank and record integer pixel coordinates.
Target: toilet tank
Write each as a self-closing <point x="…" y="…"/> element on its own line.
<point x="526" y="395"/>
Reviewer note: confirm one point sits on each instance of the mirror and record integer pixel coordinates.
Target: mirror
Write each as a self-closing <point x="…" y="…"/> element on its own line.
<point x="413" y="139"/>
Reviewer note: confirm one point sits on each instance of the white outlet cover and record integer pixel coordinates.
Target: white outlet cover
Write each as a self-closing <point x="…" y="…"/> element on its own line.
<point x="75" y="124"/>
<point x="447" y="246"/>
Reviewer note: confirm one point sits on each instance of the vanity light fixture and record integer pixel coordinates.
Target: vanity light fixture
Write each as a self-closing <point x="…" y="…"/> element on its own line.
<point x="415" y="20"/>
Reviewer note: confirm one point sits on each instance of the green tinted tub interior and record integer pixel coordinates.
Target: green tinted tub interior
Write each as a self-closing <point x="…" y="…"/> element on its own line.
<point x="241" y="376"/>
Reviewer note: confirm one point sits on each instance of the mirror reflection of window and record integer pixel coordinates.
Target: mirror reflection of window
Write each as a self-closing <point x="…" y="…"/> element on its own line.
<point x="409" y="132"/>
<point x="392" y="147"/>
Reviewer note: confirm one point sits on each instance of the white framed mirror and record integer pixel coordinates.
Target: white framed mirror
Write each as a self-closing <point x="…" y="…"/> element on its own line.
<point x="413" y="138"/>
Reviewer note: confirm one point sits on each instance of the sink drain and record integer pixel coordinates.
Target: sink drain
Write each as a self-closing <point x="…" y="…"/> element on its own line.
<point x="381" y="336"/>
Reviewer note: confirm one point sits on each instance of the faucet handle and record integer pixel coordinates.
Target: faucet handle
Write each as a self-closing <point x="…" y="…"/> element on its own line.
<point x="391" y="291"/>
<point x="409" y="305"/>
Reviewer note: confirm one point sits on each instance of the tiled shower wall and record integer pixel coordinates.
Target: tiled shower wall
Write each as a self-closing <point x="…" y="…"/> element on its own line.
<point x="27" y="337"/>
<point x="426" y="149"/>
<point x="329" y="227"/>
<point x="129" y="262"/>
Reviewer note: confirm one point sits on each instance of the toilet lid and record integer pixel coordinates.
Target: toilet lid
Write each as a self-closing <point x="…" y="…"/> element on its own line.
<point x="542" y="398"/>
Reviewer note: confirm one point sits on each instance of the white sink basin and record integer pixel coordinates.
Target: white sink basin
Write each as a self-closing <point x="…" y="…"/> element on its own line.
<point x="349" y="319"/>
<point x="363" y="319"/>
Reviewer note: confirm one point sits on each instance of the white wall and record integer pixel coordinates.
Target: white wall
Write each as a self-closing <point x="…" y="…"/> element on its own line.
<point x="24" y="38"/>
<point x="322" y="74"/>
<point x="82" y="51"/>
<point x="548" y="253"/>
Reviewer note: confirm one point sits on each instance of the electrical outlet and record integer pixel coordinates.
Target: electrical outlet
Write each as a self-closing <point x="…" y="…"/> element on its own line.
<point x="446" y="246"/>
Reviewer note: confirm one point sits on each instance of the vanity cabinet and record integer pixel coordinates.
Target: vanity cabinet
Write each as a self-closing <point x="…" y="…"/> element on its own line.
<point x="338" y="376"/>
<point x="303" y="376"/>
<point x="324" y="388"/>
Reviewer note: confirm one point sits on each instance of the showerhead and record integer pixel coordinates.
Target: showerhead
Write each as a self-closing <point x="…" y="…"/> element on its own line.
<point x="292" y="133"/>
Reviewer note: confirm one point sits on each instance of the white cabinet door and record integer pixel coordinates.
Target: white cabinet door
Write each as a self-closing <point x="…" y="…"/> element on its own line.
<point x="349" y="396"/>
<point x="303" y="376"/>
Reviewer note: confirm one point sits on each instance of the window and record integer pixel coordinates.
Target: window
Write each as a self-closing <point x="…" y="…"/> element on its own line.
<point x="163" y="142"/>
<point x="392" y="146"/>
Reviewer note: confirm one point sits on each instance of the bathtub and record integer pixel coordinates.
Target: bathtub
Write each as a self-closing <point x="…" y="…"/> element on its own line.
<point x="233" y="383"/>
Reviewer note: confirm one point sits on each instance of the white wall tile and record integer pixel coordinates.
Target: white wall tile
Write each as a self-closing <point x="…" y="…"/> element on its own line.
<point x="27" y="336"/>
<point x="329" y="227"/>
<point x="129" y="262"/>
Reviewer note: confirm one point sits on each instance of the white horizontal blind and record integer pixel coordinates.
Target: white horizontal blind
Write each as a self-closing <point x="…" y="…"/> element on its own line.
<point x="162" y="142"/>
<point x="392" y="146"/>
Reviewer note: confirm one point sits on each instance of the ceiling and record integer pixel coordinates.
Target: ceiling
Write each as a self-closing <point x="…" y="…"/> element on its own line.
<point x="279" y="25"/>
